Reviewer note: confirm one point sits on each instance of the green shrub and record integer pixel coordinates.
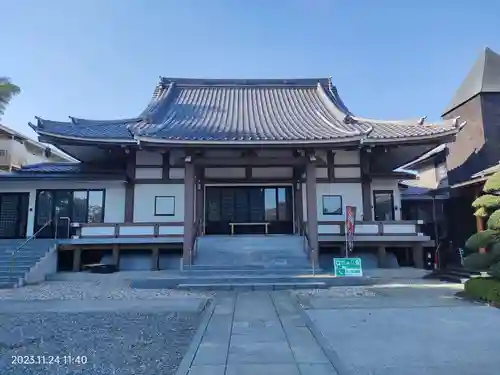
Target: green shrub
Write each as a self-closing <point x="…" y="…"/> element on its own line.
<point x="487" y="201"/>
<point x="481" y="212"/>
<point x="477" y="261"/>
<point x="494" y="271"/>
<point x="484" y="289"/>
<point x="494" y="220"/>
<point x="492" y="184"/>
<point x="486" y="207"/>
<point x="482" y="239"/>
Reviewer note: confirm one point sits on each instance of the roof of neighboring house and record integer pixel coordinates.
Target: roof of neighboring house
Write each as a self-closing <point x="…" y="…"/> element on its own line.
<point x="418" y="193"/>
<point x="253" y="111"/>
<point x="483" y="77"/>
<point x="62" y="171"/>
<point x="34" y="143"/>
<point x="424" y="157"/>
<point x="479" y="177"/>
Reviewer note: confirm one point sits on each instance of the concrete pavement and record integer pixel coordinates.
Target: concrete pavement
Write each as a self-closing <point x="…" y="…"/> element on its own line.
<point x="257" y="333"/>
<point x="411" y="330"/>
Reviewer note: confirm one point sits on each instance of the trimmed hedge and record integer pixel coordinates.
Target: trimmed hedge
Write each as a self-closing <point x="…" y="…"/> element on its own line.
<point x="484" y="289"/>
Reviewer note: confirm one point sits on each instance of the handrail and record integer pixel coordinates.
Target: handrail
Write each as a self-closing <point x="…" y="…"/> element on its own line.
<point x="196" y="232"/>
<point x="32" y="237"/>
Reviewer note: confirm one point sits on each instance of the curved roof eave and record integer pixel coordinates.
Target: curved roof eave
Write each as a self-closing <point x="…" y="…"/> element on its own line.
<point x="153" y="140"/>
<point x="83" y="139"/>
<point x="433" y="137"/>
<point x="78" y="120"/>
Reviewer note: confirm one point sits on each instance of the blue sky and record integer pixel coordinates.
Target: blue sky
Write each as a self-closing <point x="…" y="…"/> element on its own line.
<point x="102" y="58"/>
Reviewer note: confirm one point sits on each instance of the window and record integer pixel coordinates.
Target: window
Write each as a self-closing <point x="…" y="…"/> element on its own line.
<point x="95" y="212"/>
<point x="80" y="201"/>
<point x="270" y="205"/>
<point x="81" y="206"/>
<point x="383" y="205"/>
<point x="441" y="173"/>
<point x="332" y="205"/>
<point x="164" y="206"/>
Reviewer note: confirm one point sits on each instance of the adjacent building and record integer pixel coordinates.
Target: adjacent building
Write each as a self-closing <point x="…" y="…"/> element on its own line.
<point x="17" y="150"/>
<point x="456" y="171"/>
<point x="226" y="157"/>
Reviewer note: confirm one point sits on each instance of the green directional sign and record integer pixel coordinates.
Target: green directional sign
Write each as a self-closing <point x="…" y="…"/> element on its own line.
<point x="347" y="267"/>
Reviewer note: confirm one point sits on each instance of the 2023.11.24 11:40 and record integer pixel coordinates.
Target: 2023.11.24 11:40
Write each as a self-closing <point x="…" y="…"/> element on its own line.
<point x="49" y="359"/>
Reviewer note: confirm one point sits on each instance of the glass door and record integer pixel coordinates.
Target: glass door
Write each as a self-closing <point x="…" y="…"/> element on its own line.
<point x="44" y="214"/>
<point x="63" y="204"/>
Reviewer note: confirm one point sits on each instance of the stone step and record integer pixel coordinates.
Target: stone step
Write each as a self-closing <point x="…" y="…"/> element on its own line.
<point x="23" y="251"/>
<point x="8" y="257"/>
<point x="251" y="286"/>
<point x="176" y="282"/>
<point x="15" y="273"/>
<point x="212" y="270"/>
<point x="254" y="267"/>
<point x="247" y="251"/>
<point x="6" y="285"/>
<point x="20" y="267"/>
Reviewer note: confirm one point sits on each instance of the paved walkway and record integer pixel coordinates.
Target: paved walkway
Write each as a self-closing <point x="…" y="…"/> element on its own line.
<point x="259" y="333"/>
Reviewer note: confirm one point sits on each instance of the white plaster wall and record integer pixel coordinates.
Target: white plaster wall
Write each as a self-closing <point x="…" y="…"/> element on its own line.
<point x="148" y="173"/>
<point x="114" y="204"/>
<point x="176" y="173"/>
<point x="351" y="196"/>
<point x="144" y="202"/>
<point x="148" y="158"/>
<point x="225" y="173"/>
<point x="346" y="157"/>
<point x="321" y="172"/>
<point x="388" y="184"/>
<point x="347" y="172"/>
<point x="272" y="172"/>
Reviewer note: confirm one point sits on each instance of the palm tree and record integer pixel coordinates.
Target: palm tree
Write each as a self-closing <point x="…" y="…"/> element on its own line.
<point x="7" y="91"/>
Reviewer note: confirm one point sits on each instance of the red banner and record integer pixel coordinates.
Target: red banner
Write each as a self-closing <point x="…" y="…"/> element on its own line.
<point x="350" y="224"/>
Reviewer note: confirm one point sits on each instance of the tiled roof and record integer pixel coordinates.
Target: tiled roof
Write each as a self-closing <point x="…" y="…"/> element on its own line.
<point x="487" y="172"/>
<point x="261" y="111"/>
<point x="62" y="171"/>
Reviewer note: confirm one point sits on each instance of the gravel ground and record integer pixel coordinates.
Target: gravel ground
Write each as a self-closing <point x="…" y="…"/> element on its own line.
<point x="95" y="290"/>
<point x="112" y="343"/>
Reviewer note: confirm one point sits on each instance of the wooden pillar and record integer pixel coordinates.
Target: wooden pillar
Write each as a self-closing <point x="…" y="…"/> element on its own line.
<point x="479" y="219"/>
<point x="366" y="186"/>
<point x="418" y="255"/>
<point x="155" y="259"/>
<point x="200" y="197"/>
<point x="189" y="186"/>
<point x="297" y="199"/>
<point x="312" y="209"/>
<point x="382" y="256"/>
<point x="116" y="256"/>
<point x="77" y="259"/>
<point x="130" y="189"/>
<point x="298" y="208"/>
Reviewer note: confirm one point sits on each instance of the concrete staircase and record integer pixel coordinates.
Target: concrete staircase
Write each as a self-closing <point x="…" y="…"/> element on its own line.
<point x="251" y="252"/>
<point x="25" y="260"/>
<point x="250" y="262"/>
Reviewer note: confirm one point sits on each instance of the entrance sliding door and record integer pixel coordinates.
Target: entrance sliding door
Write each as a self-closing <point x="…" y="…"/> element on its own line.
<point x="13" y="215"/>
<point x="249" y="207"/>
